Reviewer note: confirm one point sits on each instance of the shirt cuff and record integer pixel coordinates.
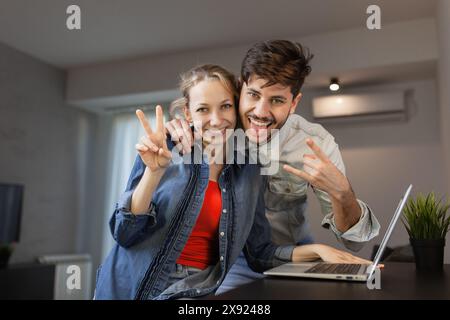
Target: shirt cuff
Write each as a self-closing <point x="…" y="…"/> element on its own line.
<point x="364" y="230"/>
<point x="124" y="208"/>
<point x="283" y="254"/>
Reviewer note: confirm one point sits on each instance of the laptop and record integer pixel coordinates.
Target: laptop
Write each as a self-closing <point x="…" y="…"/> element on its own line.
<point x="340" y="271"/>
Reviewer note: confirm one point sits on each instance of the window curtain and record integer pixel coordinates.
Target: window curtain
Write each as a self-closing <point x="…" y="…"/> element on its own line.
<point x="125" y="133"/>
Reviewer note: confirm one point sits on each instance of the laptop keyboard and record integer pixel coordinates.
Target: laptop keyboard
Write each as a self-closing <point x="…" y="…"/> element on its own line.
<point x="334" y="268"/>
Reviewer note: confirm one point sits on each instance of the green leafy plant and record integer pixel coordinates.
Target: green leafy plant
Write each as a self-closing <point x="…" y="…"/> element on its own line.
<point x="425" y="217"/>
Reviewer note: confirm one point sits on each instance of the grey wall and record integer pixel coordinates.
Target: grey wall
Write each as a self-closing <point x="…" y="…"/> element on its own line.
<point x="382" y="158"/>
<point x="39" y="142"/>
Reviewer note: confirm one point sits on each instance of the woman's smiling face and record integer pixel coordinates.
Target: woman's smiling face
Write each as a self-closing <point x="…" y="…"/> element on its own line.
<point x="212" y="110"/>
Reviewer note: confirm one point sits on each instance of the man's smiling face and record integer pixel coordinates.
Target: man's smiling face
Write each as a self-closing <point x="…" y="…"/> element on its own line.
<point x="263" y="108"/>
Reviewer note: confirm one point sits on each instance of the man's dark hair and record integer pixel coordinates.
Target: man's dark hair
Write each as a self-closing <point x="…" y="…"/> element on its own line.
<point x="279" y="62"/>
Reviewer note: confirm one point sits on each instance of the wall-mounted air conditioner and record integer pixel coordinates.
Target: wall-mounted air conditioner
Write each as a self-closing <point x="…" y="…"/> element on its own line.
<point x="360" y="106"/>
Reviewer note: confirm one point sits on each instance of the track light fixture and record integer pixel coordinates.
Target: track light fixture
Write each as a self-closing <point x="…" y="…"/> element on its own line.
<point x="334" y="84"/>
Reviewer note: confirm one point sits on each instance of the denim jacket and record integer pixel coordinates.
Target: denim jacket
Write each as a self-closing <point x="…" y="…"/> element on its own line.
<point x="148" y="245"/>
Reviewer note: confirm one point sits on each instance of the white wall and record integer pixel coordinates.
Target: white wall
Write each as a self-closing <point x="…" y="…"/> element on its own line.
<point x="355" y="53"/>
<point x="382" y="158"/>
<point x="39" y="137"/>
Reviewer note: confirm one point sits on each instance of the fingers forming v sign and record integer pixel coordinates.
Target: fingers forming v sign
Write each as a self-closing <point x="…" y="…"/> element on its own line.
<point x="153" y="147"/>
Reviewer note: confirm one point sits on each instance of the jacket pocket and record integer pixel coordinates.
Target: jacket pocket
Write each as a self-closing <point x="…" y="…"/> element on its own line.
<point x="283" y="195"/>
<point x="288" y="187"/>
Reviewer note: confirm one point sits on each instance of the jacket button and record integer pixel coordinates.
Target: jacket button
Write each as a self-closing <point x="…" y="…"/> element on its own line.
<point x="222" y="234"/>
<point x="221" y="258"/>
<point x="224" y="210"/>
<point x="224" y="190"/>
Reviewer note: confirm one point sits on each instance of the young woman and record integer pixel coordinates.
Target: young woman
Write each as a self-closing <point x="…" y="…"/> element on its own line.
<point x="180" y="226"/>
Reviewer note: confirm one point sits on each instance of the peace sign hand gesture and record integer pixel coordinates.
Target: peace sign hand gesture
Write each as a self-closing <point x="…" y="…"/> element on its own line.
<point x="152" y="147"/>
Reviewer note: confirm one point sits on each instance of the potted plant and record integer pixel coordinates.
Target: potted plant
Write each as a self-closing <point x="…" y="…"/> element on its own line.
<point x="426" y="221"/>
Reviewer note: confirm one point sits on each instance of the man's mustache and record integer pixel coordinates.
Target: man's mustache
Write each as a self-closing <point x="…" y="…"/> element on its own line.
<point x="260" y="119"/>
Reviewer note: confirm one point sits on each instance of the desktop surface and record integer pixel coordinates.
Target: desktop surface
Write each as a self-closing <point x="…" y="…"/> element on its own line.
<point x="27" y="281"/>
<point x="398" y="281"/>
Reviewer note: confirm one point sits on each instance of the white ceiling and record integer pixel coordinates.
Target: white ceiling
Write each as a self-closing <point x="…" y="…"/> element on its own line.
<point x="119" y="29"/>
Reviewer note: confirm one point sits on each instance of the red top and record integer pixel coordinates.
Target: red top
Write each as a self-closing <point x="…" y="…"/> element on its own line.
<point x="202" y="247"/>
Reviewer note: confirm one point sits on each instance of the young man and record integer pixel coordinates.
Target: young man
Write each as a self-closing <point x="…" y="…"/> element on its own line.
<point x="272" y="75"/>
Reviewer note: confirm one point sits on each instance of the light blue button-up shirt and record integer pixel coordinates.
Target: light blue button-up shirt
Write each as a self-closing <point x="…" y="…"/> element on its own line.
<point x="285" y="195"/>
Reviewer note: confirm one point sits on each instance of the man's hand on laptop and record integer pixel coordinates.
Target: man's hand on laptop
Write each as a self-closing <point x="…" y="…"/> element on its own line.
<point x="312" y="252"/>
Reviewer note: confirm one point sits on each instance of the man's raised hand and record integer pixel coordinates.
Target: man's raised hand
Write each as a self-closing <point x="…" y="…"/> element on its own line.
<point x="322" y="173"/>
<point x="181" y="134"/>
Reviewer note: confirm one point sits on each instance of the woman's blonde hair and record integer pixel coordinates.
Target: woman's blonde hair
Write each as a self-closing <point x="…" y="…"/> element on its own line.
<point x="200" y="73"/>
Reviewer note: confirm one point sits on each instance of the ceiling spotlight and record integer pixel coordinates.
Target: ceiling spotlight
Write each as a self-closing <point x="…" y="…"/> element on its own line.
<point x="334" y="84"/>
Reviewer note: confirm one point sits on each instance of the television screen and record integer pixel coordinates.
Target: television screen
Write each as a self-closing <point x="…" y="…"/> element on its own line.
<point x="11" y="197"/>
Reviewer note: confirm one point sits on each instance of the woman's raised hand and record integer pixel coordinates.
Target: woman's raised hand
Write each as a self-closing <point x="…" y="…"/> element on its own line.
<point x="152" y="147"/>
